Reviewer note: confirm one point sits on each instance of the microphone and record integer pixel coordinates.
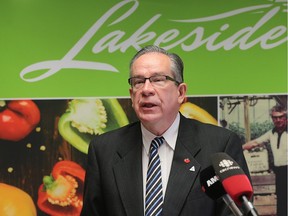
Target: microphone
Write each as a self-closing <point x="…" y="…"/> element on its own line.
<point x="234" y="181"/>
<point x="213" y="188"/>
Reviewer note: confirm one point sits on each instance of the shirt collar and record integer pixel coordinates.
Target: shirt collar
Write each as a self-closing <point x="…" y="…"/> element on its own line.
<point x="169" y="135"/>
<point x="275" y="130"/>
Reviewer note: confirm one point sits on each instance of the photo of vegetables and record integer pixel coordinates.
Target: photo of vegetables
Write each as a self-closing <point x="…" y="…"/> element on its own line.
<point x="44" y="144"/>
<point x="85" y="118"/>
<point x="61" y="192"/>
<point x="18" y="119"/>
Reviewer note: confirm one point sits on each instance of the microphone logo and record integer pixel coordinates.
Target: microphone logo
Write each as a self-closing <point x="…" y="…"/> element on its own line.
<point x="226" y="163"/>
<point x="212" y="181"/>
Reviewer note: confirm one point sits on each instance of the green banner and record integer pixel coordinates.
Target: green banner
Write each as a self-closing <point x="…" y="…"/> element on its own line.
<point x="52" y="49"/>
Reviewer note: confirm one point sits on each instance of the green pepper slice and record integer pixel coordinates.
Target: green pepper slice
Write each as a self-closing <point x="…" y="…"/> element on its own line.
<point x="87" y="118"/>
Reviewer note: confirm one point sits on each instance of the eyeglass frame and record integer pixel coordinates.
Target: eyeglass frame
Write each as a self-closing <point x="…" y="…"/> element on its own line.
<point x="279" y="117"/>
<point x="149" y="78"/>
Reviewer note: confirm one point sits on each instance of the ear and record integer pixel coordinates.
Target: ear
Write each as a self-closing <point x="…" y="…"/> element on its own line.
<point x="131" y="95"/>
<point x="182" y="88"/>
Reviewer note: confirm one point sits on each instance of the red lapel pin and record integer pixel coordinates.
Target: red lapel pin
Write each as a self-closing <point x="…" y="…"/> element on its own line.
<point x="187" y="160"/>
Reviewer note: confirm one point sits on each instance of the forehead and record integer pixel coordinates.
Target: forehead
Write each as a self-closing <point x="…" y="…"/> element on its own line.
<point x="278" y="113"/>
<point x="150" y="63"/>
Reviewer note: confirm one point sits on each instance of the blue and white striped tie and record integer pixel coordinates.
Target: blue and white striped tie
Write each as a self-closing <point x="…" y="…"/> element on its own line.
<point x="154" y="193"/>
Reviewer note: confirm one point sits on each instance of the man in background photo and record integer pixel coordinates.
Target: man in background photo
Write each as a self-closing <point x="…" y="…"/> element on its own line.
<point x="277" y="139"/>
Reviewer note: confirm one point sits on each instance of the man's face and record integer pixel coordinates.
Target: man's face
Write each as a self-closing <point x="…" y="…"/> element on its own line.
<point x="279" y="119"/>
<point x="156" y="105"/>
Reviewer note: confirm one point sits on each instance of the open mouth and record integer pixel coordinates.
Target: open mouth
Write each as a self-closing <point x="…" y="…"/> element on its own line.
<point x="147" y="105"/>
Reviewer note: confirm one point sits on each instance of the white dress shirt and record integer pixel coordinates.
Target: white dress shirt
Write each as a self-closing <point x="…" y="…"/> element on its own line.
<point x="278" y="146"/>
<point x="165" y="151"/>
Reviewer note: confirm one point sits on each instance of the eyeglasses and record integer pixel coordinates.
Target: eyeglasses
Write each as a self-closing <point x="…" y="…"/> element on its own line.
<point x="156" y="81"/>
<point x="278" y="117"/>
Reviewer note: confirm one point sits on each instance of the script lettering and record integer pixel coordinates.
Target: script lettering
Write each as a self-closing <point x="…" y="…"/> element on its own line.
<point x="119" y="40"/>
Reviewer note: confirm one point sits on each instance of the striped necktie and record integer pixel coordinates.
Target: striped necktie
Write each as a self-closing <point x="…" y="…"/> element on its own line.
<point x="154" y="194"/>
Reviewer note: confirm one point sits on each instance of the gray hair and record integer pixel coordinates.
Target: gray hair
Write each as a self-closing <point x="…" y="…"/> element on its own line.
<point x="177" y="65"/>
<point x="278" y="108"/>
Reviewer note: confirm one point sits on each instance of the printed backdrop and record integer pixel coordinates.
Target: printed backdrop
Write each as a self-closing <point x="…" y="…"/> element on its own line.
<point x="82" y="48"/>
<point x="64" y="62"/>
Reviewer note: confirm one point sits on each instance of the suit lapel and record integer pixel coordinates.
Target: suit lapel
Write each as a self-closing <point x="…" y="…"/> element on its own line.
<point x="184" y="169"/>
<point x="128" y="173"/>
<point x="128" y="170"/>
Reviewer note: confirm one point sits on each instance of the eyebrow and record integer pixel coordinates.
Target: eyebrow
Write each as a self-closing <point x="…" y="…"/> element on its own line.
<point x="273" y="116"/>
<point x="154" y="74"/>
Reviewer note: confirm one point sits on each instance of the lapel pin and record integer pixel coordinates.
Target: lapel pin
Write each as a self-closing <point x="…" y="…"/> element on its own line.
<point x="187" y="160"/>
<point x="192" y="168"/>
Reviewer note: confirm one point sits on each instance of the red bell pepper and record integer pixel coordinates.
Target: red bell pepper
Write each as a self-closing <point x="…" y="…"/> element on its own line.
<point x="17" y="119"/>
<point x="62" y="192"/>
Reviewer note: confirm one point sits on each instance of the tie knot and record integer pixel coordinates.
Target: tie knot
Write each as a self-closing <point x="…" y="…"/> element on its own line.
<point x="156" y="142"/>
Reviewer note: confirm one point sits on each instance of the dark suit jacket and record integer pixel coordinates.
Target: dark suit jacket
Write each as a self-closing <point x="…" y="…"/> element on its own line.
<point x="114" y="182"/>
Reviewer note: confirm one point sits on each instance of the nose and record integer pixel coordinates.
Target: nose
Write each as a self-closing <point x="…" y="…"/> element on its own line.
<point x="147" y="83"/>
<point x="147" y="87"/>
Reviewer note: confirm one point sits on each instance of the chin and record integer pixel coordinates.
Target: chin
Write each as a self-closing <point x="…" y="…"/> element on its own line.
<point x="149" y="118"/>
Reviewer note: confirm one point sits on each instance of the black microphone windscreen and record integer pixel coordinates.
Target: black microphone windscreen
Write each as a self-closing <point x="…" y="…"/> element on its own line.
<point x="210" y="183"/>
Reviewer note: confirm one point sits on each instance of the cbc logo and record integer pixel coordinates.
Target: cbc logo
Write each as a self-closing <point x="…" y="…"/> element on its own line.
<point x="226" y="163"/>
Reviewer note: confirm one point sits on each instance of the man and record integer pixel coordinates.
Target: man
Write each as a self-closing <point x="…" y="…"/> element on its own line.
<point x="118" y="161"/>
<point x="277" y="138"/>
